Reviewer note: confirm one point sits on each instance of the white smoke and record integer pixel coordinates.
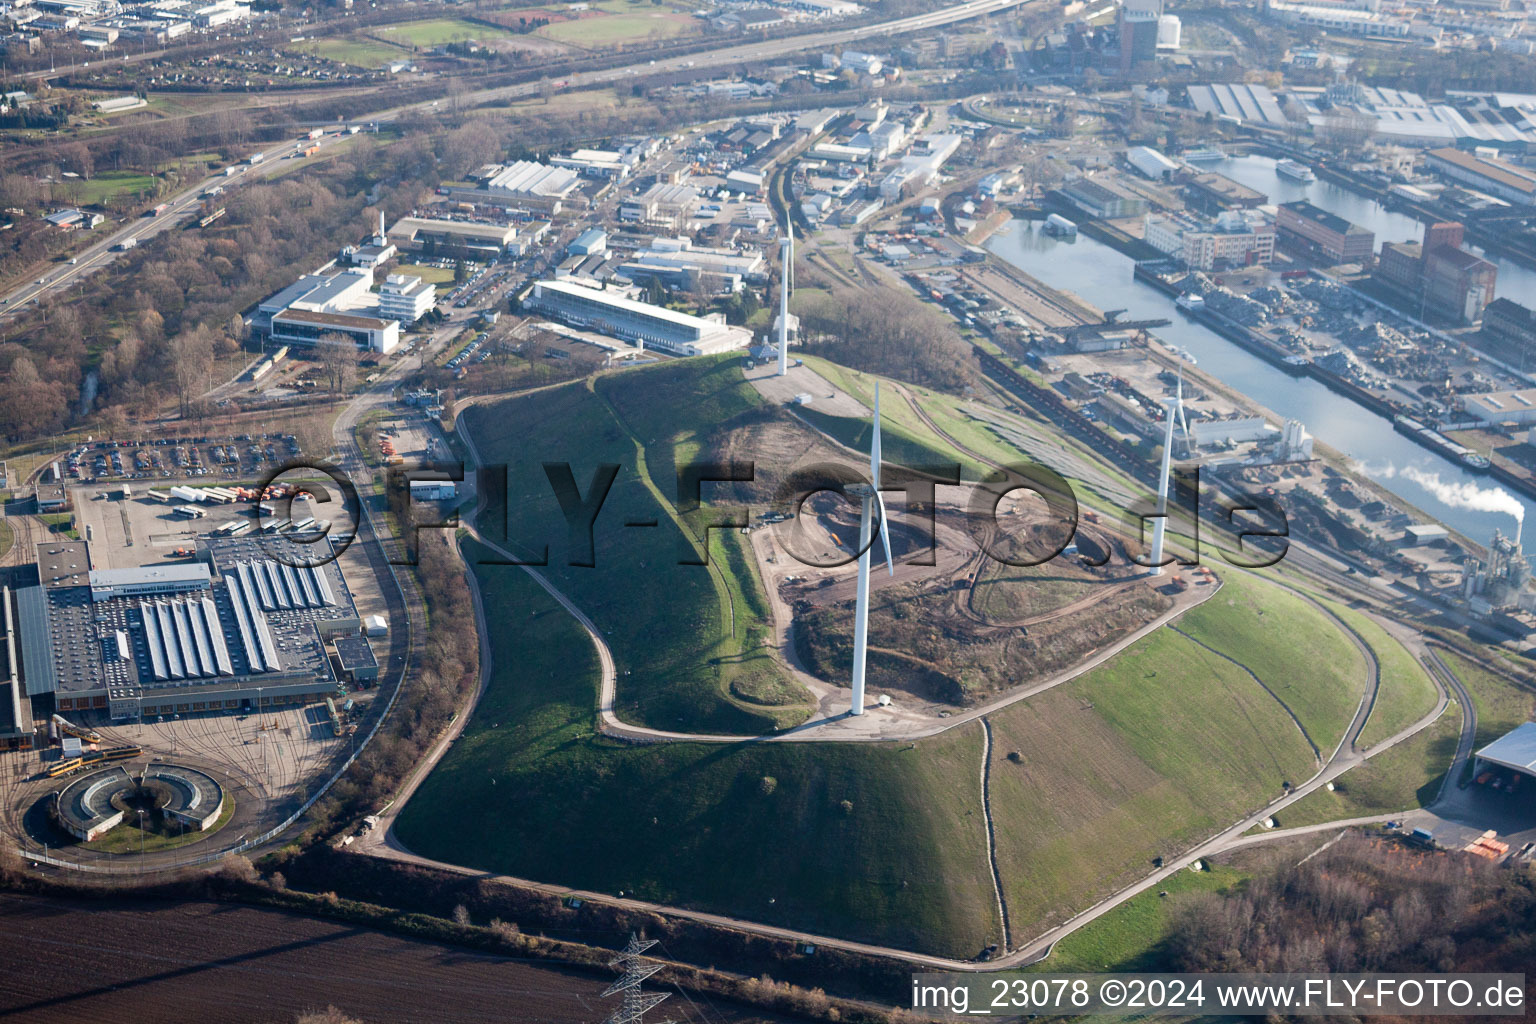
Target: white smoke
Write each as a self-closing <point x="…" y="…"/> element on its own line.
<point x="1457" y="495"/>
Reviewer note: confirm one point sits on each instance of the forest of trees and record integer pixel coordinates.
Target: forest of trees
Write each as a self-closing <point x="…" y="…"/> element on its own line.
<point x="894" y="334"/>
<point x="151" y="326"/>
<point x="1366" y="904"/>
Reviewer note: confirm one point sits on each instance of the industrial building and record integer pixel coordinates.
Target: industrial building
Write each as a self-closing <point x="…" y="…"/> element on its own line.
<point x="639" y="322"/>
<point x="1513" y="326"/>
<point x="1439" y="275"/>
<point x="237" y="629"/>
<point x="1102" y="198"/>
<point x="1138" y="25"/>
<point x="1251" y="103"/>
<point x="677" y="263"/>
<point x="1514" y="751"/>
<point x="318" y="305"/>
<point x="433" y="490"/>
<point x="917" y="171"/>
<point x="15" y="710"/>
<point x="302" y="327"/>
<point x="662" y="206"/>
<point x="1150" y="163"/>
<point x="471" y="239"/>
<point x="1212" y="193"/>
<point x="1497" y="178"/>
<point x="1305" y="227"/>
<point x="1512" y="407"/>
<point x="526" y="185"/>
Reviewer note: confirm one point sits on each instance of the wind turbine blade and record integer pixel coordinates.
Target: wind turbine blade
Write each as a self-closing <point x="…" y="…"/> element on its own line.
<point x="874" y="444"/>
<point x="885" y="536"/>
<point x="1179" y="398"/>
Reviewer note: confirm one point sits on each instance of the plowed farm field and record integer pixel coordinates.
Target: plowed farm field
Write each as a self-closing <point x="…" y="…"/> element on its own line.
<point x="216" y="964"/>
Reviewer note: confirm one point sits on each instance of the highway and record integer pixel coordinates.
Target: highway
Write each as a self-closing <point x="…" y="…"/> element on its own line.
<point x="179" y="206"/>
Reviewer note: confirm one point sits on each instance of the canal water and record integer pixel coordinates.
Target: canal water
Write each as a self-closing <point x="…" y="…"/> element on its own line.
<point x="1102" y="276"/>
<point x="1258" y="172"/>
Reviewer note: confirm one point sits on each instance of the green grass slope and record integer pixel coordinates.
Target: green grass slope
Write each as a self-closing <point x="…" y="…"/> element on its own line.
<point x="1296" y="650"/>
<point x="880" y="842"/>
<point x="687" y="637"/>
<point x="1139" y="758"/>
<point x="1407" y="693"/>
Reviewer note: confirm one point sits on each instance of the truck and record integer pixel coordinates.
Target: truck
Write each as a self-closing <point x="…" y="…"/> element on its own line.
<point x="125" y="245"/>
<point x="255" y="158"/>
<point x="1422" y="836"/>
<point x="157" y="209"/>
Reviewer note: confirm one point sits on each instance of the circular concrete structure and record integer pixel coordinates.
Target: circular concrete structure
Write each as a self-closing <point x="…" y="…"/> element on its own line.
<point x="94" y="804"/>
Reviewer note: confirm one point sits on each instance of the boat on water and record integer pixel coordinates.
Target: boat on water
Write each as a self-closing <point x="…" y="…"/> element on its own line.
<point x="1294" y="170"/>
<point x="1205" y="155"/>
<point x="1190" y="300"/>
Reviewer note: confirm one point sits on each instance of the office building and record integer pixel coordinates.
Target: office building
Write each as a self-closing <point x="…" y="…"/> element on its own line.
<point x="406" y="298"/>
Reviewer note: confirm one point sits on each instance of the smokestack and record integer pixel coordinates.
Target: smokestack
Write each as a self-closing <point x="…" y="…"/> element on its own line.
<point x="1519" y="526"/>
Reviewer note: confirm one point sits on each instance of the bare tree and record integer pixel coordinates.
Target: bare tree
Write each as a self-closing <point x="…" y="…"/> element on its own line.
<point x="192" y="365"/>
<point x="338" y="360"/>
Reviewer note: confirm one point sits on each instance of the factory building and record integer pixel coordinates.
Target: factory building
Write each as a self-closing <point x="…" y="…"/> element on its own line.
<point x="1212" y="193"/>
<point x="663" y="206"/>
<point x="15" y="709"/>
<point x="236" y="631"/>
<point x="1305" y="227"/>
<point x="526" y="185"/>
<point x="1513" y="326"/>
<point x="640" y="322"/>
<point x="917" y="171"/>
<point x="156" y="580"/>
<point x="1102" y="198"/>
<point x="596" y="163"/>
<point x="1439" y="275"/>
<point x="1510" y="407"/>
<point x="406" y="298"/>
<point x="1497" y="178"/>
<point x="317" y="306"/>
<point x="677" y="263"/>
<point x="1138" y="24"/>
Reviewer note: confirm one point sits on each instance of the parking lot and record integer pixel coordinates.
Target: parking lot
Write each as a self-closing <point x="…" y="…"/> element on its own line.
<point x="184" y="457"/>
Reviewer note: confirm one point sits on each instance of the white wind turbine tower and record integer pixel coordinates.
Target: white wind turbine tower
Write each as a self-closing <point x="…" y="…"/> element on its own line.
<point x="787" y="256"/>
<point x="1160" y="524"/>
<point x="871" y="495"/>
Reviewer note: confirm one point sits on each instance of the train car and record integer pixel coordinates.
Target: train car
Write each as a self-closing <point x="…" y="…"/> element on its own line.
<point x="68" y="766"/>
<point x="68" y="728"/>
<point x="120" y="753"/>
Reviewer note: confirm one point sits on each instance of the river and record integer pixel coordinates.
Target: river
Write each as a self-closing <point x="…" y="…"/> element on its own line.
<point x="1102" y="276"/>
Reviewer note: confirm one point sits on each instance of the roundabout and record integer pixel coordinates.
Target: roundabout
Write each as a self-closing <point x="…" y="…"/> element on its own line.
<point x="176" y="798"/>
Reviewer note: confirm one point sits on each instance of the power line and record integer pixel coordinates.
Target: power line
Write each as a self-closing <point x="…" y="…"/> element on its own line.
<point x="634" y="1003"/>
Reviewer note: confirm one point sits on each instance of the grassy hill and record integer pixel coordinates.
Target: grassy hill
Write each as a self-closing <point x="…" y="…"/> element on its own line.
<point x="1264" y="627"/>
<point x="1137" y="759"/>
<point x="882" y="842"/>
<point x="687" y="637"/>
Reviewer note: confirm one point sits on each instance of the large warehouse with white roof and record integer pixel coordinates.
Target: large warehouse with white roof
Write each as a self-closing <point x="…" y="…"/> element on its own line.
<point x="244" y="627"/>
<point x="652" y="326"/>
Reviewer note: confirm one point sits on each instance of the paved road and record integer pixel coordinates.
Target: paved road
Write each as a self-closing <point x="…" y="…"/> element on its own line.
<point x="184" y="202"/>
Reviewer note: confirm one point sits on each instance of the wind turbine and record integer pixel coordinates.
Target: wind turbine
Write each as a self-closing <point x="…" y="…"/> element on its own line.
<point x="871" y="495"/>
<point x="787" y="255"/>
<point x="1160" y="524"/>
